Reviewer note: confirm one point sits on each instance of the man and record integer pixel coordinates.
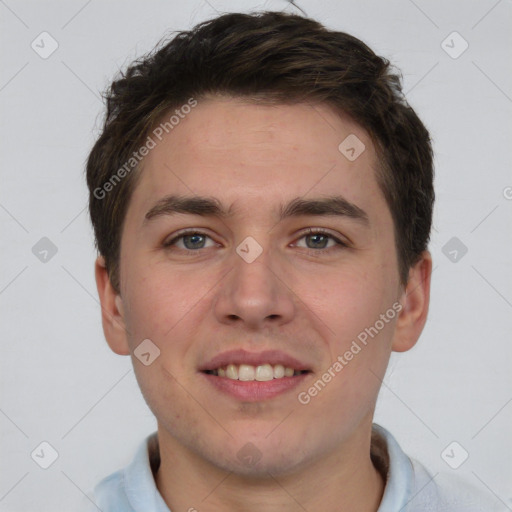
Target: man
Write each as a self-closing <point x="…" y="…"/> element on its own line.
<point x="261" y="196"/>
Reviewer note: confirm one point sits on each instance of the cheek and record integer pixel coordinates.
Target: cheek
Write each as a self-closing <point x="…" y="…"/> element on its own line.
<point x="347" y="299"/>
<point x="159" y="310"/>
<point x="349" y="306"/>
<point x="169" y="309"/>
<point x="157" y="301"/>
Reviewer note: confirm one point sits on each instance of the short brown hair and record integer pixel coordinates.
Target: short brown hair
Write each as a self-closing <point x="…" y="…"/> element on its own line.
<point x="275" y="58"/>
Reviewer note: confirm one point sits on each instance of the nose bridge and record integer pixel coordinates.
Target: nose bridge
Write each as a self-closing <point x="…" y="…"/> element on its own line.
<point x="254" y="291"/>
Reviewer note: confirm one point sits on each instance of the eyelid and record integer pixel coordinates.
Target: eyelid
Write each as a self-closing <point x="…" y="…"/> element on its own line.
<point x="306" y="231"/>
<point x="342" y="240"/>
<point x="169" y="240"/>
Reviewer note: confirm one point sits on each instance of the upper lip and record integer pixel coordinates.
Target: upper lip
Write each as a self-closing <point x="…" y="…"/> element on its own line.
<point x="242" y="356"/>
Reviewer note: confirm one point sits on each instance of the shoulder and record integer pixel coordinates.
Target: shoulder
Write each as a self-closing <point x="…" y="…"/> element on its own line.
<point x="410" y="487"/>
<point x="442" y="492"/>
<point x="132" y="488"/>
<point x="108" y="495"/>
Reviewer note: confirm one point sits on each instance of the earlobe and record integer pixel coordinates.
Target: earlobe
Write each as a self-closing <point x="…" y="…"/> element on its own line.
<point x="112" y="311"/>
<point x="415" y="302"/>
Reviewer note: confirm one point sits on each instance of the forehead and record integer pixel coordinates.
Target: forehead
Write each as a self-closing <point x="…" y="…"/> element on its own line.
<point x="256" y="157"/>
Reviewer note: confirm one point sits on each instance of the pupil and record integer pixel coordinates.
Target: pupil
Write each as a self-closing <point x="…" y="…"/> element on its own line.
<point x="319" y="236"/>
<point x="194" y="242"/>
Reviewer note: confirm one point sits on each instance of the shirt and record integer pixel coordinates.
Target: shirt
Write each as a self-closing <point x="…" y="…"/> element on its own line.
<point x="409" y="487"/>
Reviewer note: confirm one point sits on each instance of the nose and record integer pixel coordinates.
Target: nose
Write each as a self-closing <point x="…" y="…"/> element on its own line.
<point x="255" y="294"/>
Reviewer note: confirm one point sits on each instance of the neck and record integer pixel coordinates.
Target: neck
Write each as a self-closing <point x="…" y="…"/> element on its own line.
<point x="344" y="480"/>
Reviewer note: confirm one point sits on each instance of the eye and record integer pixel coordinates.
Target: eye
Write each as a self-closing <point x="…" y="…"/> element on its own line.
<point x="191" y="240"/>
<point x="319" y="239"/>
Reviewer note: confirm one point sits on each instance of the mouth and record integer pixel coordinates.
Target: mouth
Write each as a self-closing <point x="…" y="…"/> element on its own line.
<point x="254" y="377"/>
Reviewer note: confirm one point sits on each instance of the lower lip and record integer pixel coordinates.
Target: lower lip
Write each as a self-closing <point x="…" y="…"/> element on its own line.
<point x="253" y="390"/>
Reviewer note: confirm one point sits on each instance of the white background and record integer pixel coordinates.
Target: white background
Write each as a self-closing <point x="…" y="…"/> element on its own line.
<point x="60" y="382"/>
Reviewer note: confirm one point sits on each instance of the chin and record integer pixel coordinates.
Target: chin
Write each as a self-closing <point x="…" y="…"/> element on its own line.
<point x="269" y="464"/>
<point x="260" y="458"/>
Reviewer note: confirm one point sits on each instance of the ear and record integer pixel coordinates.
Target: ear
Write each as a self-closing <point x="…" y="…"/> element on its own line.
<point x="415" y="301"/>
<point x="112" y="314"/>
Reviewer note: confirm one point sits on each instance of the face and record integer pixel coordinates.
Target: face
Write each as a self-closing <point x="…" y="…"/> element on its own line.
<point x="291" y="263"/>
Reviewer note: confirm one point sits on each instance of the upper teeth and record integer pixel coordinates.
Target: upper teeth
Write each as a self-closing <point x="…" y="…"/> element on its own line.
<point x="247" y="372"/>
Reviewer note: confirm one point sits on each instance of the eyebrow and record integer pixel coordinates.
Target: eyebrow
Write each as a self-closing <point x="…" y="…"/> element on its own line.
<point x="211" y="207"/>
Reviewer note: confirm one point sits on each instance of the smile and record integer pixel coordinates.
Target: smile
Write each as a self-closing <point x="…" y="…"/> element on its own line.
<point x="261" y="373"/>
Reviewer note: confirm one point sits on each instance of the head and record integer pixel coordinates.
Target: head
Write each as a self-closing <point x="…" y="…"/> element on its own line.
<point x="284" y="127"/>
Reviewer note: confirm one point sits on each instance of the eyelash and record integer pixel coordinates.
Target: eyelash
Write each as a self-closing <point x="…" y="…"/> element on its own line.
<point x="310" y="231"/>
